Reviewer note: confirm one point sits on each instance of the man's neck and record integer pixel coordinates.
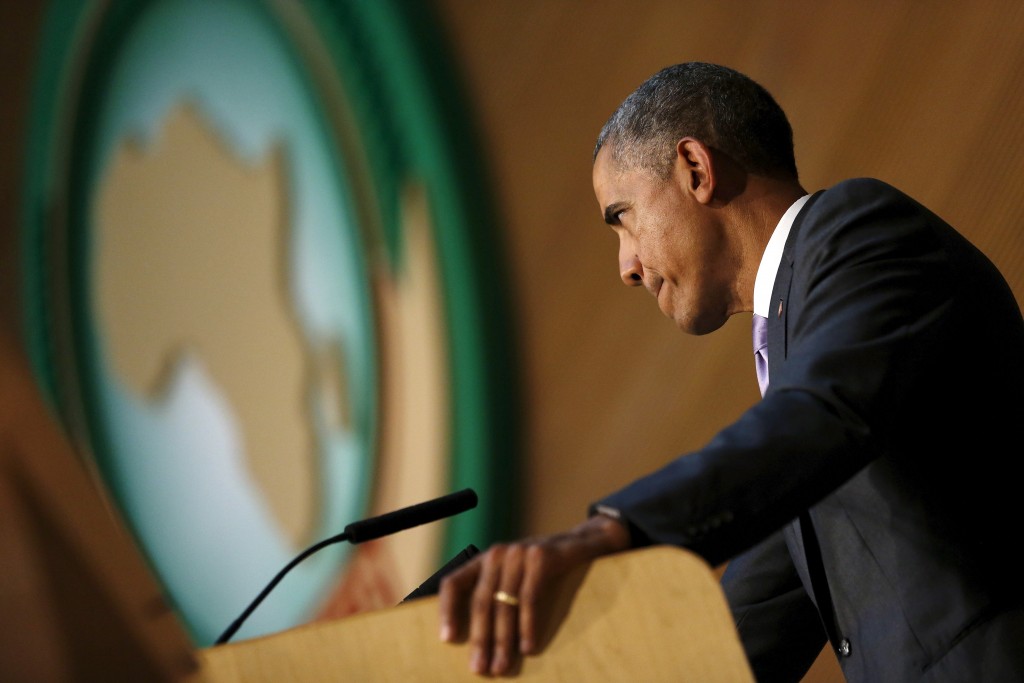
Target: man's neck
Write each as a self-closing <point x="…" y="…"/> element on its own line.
<point x="756" y="212"/>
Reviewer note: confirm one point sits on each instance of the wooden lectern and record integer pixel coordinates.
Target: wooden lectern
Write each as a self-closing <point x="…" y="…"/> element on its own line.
<point x="649" y="615"/>
<point x="78" y="603"/>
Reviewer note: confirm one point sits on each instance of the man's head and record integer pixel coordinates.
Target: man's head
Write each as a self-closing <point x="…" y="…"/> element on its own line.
<point x="719" y="106"/>
<point x="693" y="171"/>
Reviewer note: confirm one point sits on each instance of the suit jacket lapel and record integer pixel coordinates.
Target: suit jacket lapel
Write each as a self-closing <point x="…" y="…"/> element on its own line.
<point x="778" y="312"/>
<point x="800" y="535"/>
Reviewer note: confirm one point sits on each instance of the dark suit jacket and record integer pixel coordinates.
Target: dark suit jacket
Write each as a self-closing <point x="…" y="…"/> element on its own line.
<point x="893" y="416"/>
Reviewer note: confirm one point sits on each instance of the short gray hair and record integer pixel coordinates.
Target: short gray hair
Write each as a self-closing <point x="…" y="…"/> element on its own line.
<point x="719" y="106"/>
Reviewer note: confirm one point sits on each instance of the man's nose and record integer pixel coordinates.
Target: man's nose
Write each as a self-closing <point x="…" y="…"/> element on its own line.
<point x="630" y="269"/>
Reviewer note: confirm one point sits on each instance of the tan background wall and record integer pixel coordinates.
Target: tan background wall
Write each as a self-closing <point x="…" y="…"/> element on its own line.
<point x="925" y="95"/>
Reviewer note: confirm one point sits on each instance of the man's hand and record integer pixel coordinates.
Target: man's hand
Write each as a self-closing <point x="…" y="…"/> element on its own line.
<point x="496" y="593"/>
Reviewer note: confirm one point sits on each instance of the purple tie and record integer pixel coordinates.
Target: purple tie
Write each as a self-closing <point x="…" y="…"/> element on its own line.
<point x="761" y="351"/>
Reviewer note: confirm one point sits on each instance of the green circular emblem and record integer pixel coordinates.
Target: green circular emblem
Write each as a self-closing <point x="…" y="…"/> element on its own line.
<point x="262" y="288"/>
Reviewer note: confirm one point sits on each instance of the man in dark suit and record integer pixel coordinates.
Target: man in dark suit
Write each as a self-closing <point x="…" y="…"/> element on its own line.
<point x="868" y="500"/>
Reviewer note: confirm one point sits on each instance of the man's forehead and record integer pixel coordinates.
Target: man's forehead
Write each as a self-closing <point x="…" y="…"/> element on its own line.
<point x="610" y="175"/>
<point x="606" y="164"/>
<point x="606" y="153"/>
<point x="604" y="173"/>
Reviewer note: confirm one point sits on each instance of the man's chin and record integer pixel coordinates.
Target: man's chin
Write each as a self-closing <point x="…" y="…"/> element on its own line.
<point x="697" y="326"/>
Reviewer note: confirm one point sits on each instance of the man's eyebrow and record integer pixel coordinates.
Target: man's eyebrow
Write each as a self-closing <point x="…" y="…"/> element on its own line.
<point x="609" y="213"/>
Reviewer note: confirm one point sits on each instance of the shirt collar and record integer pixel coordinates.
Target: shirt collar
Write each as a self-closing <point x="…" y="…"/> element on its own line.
<point x="772" y="257"/>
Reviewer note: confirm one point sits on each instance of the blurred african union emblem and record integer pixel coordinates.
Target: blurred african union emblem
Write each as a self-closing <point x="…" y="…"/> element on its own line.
<point x="263" y="293"/>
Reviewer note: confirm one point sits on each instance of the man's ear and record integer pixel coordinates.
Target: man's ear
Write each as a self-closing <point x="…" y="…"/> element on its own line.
<point x="696" y="169"/>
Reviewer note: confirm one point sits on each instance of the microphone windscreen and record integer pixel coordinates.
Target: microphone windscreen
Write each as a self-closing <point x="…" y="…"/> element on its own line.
<point x="414" y="515"/>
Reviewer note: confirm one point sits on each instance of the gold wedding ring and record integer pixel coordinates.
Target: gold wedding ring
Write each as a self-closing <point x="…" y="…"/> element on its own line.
<point x="506" y="598"/>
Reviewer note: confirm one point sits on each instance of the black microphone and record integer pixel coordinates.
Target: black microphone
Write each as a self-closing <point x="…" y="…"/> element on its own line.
<point x="414" y="515"/>
<point x="433" y="584"/>
<point x="367" y="530"/>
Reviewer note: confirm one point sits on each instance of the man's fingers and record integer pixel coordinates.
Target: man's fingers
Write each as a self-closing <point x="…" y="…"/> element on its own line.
<point x="507" y="603"/>
<point x="529" y="592"/>
<point x="481" y="610"/>
<point x="497" y="593"/>
<point x="453" y="599"/>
